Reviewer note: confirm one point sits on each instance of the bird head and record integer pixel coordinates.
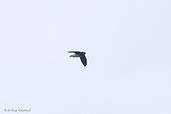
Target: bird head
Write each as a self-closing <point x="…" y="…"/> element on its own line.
<point x="84" y="53"/>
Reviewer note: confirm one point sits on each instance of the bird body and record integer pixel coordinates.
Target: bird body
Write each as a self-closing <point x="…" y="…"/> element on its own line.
<point x="81" y="55"/>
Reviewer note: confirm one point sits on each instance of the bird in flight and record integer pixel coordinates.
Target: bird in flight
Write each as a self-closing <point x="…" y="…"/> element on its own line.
<point x="81" y="55"/>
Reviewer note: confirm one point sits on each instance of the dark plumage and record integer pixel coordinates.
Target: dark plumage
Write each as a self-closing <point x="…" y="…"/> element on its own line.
<point x="81" y="55"/>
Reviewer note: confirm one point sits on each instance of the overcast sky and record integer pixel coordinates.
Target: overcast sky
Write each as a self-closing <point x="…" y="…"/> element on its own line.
<point x="127" y="45"/>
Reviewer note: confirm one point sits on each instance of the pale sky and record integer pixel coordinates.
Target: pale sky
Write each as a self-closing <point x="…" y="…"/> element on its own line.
<point x="127" y="45"/>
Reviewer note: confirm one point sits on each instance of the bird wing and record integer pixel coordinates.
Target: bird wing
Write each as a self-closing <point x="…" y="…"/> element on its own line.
<point x="73" y="52"/>
<point x="83" y="60"/>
